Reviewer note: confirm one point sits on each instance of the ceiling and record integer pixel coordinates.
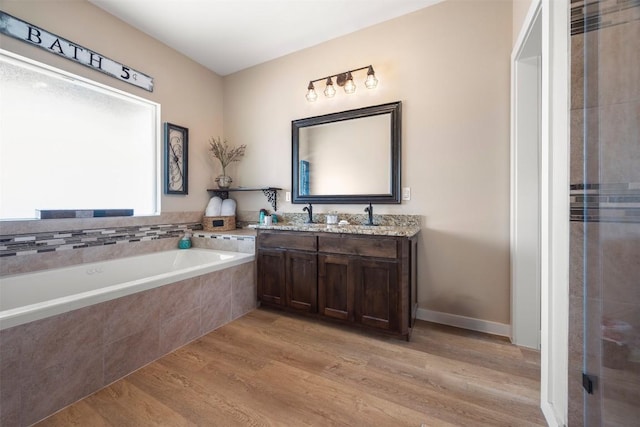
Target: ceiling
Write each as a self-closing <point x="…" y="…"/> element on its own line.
<point x="230" y="35"/>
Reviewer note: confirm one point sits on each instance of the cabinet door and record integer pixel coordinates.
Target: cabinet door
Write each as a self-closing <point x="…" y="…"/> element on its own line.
<point x="301" y="281"/>
<point x="335" y="287"/>
<point x="376" y="294"/>
<point x="271" y="276"/>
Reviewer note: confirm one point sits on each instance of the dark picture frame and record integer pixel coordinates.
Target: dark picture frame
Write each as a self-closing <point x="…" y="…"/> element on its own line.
<point x="176" y="159"/>
<point x="300" y="177"/>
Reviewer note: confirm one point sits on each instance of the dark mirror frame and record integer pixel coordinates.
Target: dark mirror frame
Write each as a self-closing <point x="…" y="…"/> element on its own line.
<point x="394" y="196"/>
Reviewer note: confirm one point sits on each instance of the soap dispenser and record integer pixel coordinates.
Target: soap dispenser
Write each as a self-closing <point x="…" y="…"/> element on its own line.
<point x="263" y="214"/>
<point x="185" y="241"/>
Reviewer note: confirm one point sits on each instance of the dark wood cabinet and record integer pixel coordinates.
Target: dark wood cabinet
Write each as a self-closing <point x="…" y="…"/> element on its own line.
<point x="377" y="294"/>
<point x="359" y="290"/>
<point x="287" y="271"/>
<point x="271" y="272"/>
<point x="300" y="281"/>
<point x="369" y="281"/>
<point x="359" y="280"/>
<point x="335" y="287"/>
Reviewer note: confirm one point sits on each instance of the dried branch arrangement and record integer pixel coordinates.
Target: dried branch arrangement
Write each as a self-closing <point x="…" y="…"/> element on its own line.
<point x="221" y="151"/>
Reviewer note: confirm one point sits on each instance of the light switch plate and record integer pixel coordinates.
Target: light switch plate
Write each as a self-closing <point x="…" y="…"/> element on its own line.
<point x="406" y="193"/>
<point x="287" y="196"/>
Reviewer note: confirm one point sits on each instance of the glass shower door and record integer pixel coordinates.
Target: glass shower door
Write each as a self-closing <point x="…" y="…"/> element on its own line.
<point x="604" y="364"/>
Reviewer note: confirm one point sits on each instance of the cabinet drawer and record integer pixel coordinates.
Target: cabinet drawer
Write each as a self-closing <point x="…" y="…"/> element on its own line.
<point x="372" y="247"/>
<point x="283" y="240"/>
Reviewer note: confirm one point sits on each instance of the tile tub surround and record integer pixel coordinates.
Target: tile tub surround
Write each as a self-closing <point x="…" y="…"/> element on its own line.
<point x="240" y="240"/>
<point x="34" y="243"/>
<point x="25" y="253"/>
<point x="48" y="364"/>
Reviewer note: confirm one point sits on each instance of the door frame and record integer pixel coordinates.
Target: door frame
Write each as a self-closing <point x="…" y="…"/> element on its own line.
<point x="526" y="113"/>
<point x="554" y="205"/>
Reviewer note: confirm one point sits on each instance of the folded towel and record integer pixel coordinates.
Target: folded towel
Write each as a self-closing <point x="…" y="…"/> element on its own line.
<point x="228" y="208"/>
<point x="214" y="207"/>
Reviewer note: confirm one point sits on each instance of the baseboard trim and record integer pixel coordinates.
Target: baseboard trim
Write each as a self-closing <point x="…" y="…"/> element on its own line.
<point x="549" y="415"/>
<point x="464" y="322"/>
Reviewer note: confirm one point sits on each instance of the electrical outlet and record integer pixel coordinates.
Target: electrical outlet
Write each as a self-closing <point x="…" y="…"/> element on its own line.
<point x="287" y="196"/>
<point x="406" y="193"/>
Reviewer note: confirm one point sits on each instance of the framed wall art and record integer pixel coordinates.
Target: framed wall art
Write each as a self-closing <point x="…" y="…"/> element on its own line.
<point x="176" y="159"/>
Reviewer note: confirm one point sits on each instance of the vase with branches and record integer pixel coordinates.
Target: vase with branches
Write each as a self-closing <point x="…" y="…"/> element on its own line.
<point x="226" y="155"/>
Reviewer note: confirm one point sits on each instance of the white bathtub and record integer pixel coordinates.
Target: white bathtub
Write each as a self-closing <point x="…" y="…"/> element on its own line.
<point x="33" y="296"/>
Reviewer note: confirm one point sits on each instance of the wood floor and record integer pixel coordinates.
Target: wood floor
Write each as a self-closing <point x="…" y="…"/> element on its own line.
<point x="273" y="369"/>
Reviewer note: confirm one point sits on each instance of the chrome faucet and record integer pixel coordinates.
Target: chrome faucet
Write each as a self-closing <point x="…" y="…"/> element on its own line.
<point x="309" y="210"/>
<point x="369" y="210"/>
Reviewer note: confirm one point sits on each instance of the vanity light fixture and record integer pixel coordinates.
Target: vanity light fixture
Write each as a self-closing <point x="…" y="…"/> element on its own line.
<point x="329" y="91"/>
<point x="371" y="81"/>
<point x="349" y="85"/>
<point x="344" y="80"/>
<point x="311" y="93"/>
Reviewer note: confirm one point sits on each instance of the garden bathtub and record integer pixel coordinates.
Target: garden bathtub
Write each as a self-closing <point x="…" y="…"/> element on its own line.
<point x="33" y="296"/>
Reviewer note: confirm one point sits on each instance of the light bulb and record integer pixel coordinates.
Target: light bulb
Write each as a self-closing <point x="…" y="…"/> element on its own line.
<point x="371" y="81"/>
<point x="329" y="91"/>
<point x="349" y="86"/>
<point x="311" y="93"/>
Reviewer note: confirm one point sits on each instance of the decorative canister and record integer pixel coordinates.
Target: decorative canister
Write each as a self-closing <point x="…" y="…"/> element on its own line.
<point x="332" y="217"/>
<point x="224" y="181"/>
<point x="185" y="242"/>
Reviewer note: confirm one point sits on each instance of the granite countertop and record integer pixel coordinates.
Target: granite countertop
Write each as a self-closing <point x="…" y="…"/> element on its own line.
<point x="376" y="230"/>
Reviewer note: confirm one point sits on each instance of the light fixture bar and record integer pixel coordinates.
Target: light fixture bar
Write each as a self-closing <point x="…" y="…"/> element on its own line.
<point x="345" y="80"/>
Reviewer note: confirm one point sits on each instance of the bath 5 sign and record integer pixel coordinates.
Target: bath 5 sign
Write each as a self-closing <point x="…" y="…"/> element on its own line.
<point x="31" y="34"/>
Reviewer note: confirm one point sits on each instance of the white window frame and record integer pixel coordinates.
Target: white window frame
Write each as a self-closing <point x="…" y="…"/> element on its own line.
<point x="119" y="96"/>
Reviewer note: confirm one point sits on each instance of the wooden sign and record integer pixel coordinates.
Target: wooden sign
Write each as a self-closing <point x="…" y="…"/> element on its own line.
<point x="21" y="30"/>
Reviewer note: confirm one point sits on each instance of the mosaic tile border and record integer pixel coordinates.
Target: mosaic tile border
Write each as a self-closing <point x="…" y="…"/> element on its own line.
<point x="605" y="202"/>
<point x="28" y="244"/>
<point x="225" y="237"/>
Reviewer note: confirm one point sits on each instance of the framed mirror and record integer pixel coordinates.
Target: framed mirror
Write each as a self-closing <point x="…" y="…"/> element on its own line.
<point x="348" y="157"/>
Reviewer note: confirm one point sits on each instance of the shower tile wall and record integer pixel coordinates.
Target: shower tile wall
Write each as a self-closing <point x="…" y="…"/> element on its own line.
<point x="604" y="334"/>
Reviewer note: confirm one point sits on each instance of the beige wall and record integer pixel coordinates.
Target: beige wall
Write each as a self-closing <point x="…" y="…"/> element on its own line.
<point x="190" y="95"/>
<point x="449" y="65"/>
<point x="520" y="9"/>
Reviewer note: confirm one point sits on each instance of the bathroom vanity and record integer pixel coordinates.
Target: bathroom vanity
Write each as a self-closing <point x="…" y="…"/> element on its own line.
<point x="356" y="275"/>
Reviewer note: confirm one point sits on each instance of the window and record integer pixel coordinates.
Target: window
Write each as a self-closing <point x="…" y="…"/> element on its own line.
<point x="70" y="143"/>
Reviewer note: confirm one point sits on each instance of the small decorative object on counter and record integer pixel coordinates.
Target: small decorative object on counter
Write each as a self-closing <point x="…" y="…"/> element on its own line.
<point x="220" y="150"/>
<point x="332" y="217"/>
<point x="185" y="242"/>
<point x="274" y="218"/>
<point x="263" y="214"/>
